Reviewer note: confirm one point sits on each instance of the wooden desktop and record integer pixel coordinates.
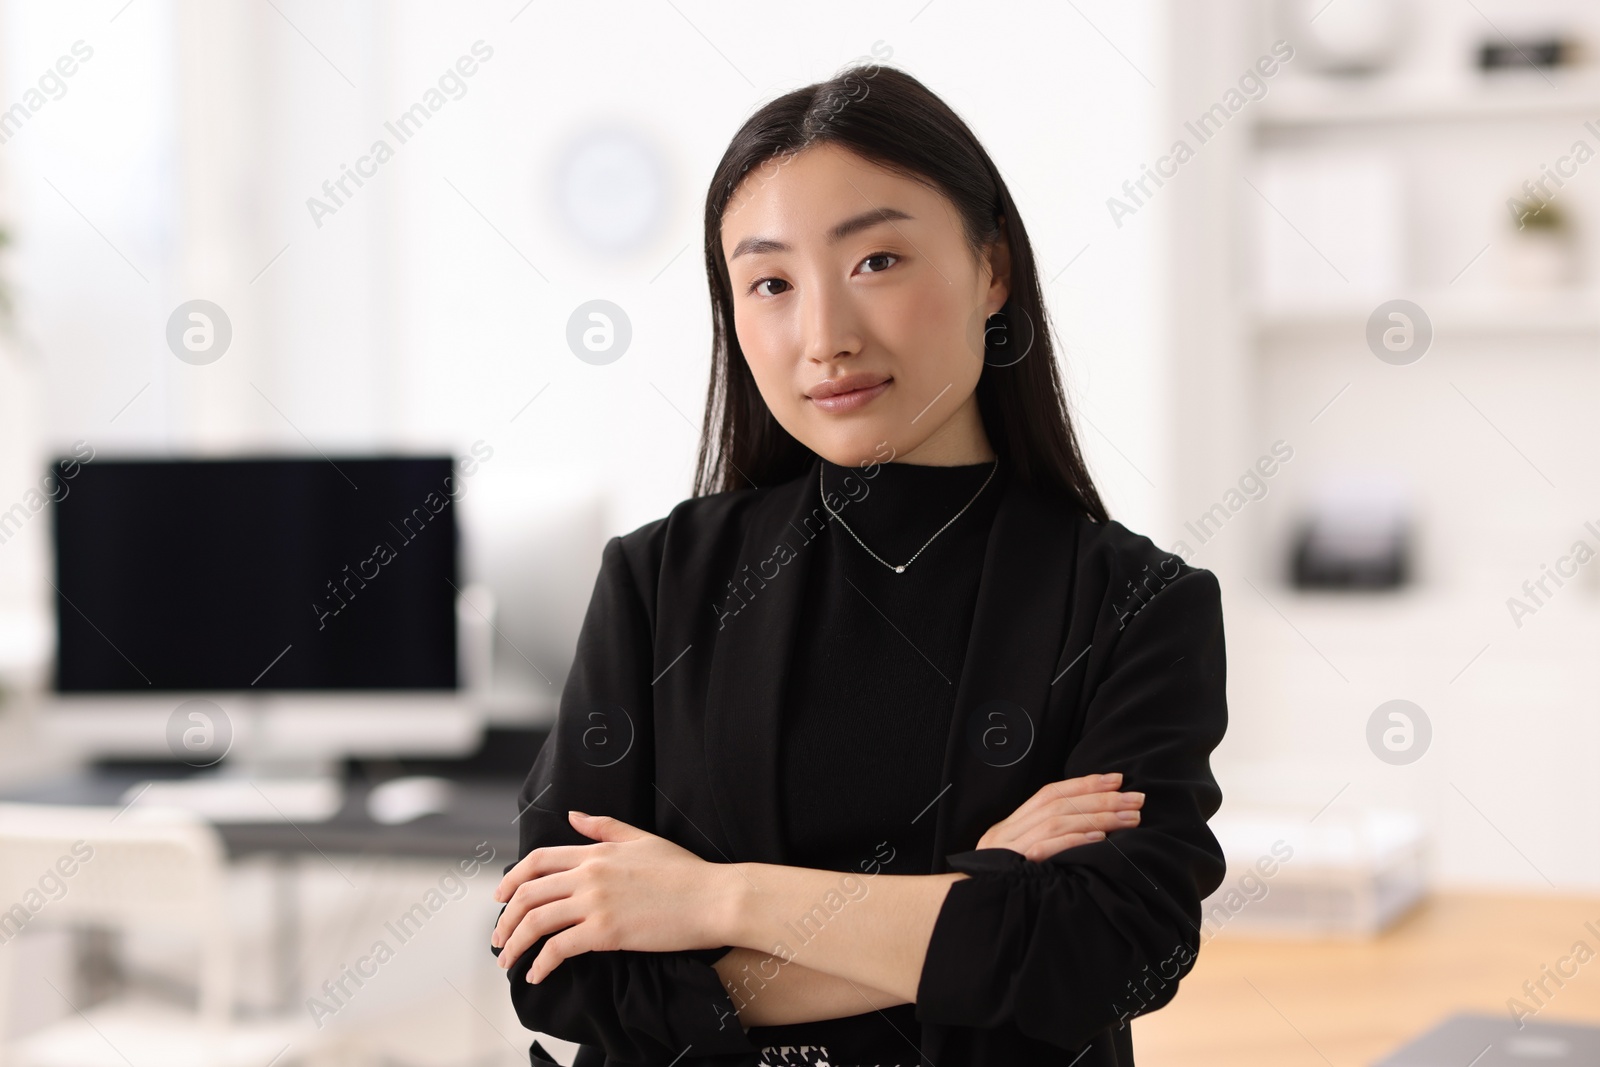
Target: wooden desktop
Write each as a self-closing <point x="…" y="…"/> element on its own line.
<point x="1260" y="1002"/>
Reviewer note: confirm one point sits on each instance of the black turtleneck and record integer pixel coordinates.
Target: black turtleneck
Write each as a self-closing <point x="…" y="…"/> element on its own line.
<point x="873" y="687"/>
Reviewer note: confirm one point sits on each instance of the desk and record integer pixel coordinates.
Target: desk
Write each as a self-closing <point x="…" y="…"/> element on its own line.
<point x="482" y="809"/>
<point x="1286" y="1004"/>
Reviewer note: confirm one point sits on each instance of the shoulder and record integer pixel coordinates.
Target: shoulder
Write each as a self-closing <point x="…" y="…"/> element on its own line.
<point x="1120" y="554"/>
<point x="1121" y="571"/>
<point x="699" y="537"/>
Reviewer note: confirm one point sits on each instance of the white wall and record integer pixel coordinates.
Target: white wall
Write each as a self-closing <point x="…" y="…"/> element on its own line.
<point x="483" y="327"/>
<point x="430" y="308"/>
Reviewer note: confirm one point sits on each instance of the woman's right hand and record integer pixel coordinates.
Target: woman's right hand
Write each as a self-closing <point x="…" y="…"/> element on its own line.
<point x="1065" y="814"/>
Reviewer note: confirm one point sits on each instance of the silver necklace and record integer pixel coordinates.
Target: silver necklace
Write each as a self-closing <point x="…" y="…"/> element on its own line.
<point x="901" y="568"/>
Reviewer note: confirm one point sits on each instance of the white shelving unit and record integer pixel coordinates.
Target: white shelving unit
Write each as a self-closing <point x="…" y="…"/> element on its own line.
<point x="1381" y="103"/>
<point x="1493" y="429"/>
<point x="1565" y="311"/>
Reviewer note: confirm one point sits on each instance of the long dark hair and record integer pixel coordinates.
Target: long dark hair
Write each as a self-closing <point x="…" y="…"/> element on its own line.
<point x="889" y="117"/>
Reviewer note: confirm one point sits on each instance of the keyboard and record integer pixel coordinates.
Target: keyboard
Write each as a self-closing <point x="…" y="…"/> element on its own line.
<point x="240" y="799"/>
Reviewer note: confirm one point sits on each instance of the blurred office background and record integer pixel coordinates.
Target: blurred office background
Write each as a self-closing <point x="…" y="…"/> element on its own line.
<point x="1324" y="276"/>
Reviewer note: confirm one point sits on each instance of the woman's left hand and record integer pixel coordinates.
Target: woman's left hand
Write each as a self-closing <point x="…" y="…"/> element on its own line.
<point x="631" y="890"/>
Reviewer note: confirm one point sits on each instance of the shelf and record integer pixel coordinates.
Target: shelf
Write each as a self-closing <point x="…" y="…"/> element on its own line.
<point x="1575" y="311"/>
<point x="1380" y="102"/>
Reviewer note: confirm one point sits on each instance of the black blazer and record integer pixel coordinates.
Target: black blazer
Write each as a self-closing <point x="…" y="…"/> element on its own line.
<point x="1091" y="650"/>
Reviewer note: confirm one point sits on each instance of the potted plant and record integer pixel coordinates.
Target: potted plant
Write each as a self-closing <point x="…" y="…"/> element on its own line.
<point x="1543" y="253"/>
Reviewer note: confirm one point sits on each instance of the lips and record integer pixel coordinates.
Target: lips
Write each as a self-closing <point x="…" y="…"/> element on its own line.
<point x="849" y="383"/>
<point x="849" y="392"/>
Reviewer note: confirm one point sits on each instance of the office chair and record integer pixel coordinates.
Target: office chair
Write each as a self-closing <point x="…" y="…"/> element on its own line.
<point x="126" y="869"/>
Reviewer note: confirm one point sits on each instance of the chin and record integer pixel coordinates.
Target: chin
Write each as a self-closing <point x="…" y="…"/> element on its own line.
<point x="857" y="449"/>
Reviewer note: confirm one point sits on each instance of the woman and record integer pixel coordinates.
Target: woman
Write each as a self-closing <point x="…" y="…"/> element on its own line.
<point x="888" y="746"/>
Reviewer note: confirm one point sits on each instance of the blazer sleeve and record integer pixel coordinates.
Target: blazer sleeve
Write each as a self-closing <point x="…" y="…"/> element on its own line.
<point x="1071" y="946"/>
<point x="599" y="758"/>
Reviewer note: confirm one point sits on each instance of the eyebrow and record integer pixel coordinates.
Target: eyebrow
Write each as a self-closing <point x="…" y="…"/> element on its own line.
<point x="755" y="245"/>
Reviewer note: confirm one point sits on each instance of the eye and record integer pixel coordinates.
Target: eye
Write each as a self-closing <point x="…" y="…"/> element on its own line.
<point x="878" y="256"/>
<point x="761" y="281"/>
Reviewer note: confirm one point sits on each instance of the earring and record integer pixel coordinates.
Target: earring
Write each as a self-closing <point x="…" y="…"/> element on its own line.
<point x="989" y="328"/>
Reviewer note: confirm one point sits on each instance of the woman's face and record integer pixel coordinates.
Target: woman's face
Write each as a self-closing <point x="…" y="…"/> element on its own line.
<point x="847" y="274"/>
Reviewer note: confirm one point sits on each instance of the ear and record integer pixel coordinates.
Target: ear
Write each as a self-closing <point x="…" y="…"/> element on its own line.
<point x="999" y="255"/>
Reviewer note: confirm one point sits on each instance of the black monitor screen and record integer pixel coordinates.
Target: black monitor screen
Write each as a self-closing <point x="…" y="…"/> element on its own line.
<point x="264" y="574"/>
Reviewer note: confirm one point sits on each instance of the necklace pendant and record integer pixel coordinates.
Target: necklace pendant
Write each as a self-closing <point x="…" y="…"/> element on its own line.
<point x="901" y="569"/>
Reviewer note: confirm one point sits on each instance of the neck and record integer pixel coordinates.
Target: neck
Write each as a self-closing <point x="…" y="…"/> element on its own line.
<point x="959" y="440"/>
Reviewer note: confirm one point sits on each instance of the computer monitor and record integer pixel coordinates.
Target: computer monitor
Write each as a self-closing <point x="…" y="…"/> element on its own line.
<point x="313" y="599"/>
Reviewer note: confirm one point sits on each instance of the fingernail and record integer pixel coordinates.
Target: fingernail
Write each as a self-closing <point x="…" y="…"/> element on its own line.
<point x="1127" y="816"/>
<point x="1137" y="798"/>
<point x="580" y="814"/>
<point x="1094" y="835"/>
<point x="1115" y="776"/>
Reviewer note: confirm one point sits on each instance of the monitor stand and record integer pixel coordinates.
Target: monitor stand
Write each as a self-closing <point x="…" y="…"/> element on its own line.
<point x="300" y="729"/>
<point x="284" y="752"/>
<point x="234" y="795"/>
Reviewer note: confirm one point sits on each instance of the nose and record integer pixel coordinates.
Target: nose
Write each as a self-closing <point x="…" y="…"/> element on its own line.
<point x="830" y="322"/>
